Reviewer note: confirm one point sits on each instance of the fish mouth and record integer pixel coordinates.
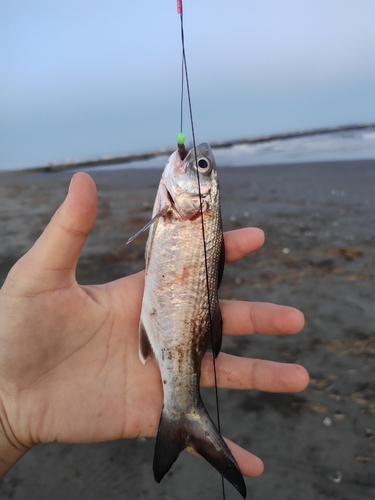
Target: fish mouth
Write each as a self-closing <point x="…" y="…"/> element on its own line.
<point x="178" y="190"/>
<point x="187" y="205"/>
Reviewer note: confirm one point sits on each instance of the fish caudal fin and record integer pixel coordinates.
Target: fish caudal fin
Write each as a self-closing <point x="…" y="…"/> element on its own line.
<point x="197" y="430"/>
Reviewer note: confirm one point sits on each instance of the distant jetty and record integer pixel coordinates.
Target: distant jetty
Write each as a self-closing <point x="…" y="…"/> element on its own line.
<point x="116" y="160"/>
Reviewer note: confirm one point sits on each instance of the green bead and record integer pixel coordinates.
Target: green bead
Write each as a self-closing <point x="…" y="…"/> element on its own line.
<point x="181" y="139"/>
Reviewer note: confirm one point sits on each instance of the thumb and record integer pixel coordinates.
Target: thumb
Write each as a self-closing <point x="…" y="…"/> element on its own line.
<point x="56" y="252"/>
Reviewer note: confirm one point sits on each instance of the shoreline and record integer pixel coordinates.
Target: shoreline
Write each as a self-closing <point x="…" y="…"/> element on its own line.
<point x="123" y="159"/>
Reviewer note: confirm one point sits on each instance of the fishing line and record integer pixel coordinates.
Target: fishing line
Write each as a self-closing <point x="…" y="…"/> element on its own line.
<point x="182" y="74"/>
<point x="181" y="137"/>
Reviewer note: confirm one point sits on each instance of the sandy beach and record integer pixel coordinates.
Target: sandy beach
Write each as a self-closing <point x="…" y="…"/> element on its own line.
<point x="319" y="256"/>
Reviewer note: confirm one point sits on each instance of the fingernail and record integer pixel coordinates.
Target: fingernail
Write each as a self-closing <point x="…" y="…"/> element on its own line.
<point x="71" y="183"/>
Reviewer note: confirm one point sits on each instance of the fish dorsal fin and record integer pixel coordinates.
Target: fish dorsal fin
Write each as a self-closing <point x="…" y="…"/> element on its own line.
<point x="145" y="349"/>
<point x="217" y="323"/>
<point x="217" y="329"/>
<point x="221" y="263"/>
<point x="160" y="214"/>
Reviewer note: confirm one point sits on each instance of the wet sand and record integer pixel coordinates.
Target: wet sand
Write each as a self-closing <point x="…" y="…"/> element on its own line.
<point x="319" y="256"/>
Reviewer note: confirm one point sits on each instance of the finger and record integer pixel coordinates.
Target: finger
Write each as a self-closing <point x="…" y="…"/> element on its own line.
<point x="241" y="242"/>
<point x="60" y="245"/>
<point x="249" y="464"/>
<point x="233" y="372"/>
<point x="245" y="318"/>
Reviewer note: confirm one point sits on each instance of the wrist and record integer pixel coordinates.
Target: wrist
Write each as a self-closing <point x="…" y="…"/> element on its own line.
<point x="11" y="450"/>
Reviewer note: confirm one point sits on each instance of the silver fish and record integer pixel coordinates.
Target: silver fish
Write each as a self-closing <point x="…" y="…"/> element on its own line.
<point x="180" y="318"/>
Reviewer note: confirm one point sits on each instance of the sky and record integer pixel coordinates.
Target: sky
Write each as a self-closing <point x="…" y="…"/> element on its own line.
<point x="84" y="79"/>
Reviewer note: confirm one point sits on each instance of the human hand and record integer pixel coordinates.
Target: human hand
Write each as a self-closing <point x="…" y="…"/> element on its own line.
<point x="69" y="365"/>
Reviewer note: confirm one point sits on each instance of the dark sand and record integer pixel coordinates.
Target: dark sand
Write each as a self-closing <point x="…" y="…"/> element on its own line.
<point x="319" y="256"/>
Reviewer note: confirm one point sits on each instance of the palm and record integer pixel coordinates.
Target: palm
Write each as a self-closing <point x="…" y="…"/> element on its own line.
<point x="85" y="381"/>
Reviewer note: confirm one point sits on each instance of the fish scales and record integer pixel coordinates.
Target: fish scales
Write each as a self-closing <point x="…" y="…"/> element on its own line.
<point x="179" y="307"/>
<point x="178" y="322"/>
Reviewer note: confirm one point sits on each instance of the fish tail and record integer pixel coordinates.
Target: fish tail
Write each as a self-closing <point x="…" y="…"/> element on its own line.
<point x="197" y="430"/>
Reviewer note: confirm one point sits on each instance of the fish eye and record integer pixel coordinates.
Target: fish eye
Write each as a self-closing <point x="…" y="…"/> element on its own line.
<point x="204" y="165"/>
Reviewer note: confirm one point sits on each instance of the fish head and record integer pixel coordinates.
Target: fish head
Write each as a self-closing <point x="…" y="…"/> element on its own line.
<point x="192" y="181"/>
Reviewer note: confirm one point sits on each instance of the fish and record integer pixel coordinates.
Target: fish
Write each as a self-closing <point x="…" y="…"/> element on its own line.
<point x="180" y="316"/>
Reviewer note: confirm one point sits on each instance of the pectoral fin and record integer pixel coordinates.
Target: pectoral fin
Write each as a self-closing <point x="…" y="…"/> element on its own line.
<point x="160" y="214"/>
<point x="221" y="263"/>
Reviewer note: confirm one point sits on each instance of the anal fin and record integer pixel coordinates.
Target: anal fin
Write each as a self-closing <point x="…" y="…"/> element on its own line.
<point x="145" y="349"/>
